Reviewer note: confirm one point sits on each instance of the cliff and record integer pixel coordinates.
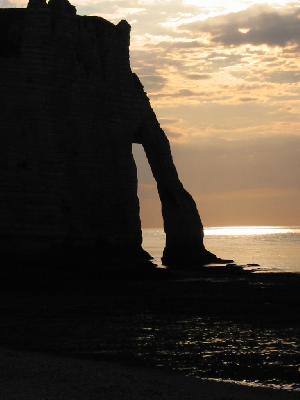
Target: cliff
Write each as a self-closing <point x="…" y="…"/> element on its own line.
<point x="70" y="110"/>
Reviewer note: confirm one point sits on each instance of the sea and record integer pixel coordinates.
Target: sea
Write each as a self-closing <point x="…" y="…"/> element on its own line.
<point x="209" y="347"/>
<point x="219" y="348"/>
<point x="274" y="248"/>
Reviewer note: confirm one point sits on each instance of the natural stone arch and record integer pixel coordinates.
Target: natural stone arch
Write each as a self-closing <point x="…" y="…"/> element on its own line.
<point x="80" y="108"/>
<point x="182" y="223"/>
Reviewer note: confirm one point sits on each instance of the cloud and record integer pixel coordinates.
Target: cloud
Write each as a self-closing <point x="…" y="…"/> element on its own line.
<point x="233" y="165"/>
<point x="153" y="83"/>
<point x="8" y="4"/>
<point x="257" y="25"/>
<point x="198" y="77"/>
<point x="150" y="16"/>
<point x="168" y="120"/>
<point x="247" y="99"/>
<point x="180" y="45"/>
<point x="229" y="118"/>
<point x="173" y="135"/>
<point x="186" y="93"/>
<point x="285" y="76"/>
<point x="147" y="65"/>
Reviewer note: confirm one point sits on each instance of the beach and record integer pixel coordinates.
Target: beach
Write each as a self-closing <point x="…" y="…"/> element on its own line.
<point x="140" y="338"/>
<point x="31" y="376"/>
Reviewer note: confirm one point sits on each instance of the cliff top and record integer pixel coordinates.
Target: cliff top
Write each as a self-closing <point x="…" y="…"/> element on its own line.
<point x="56" y="7"/>
<point x="14" y="20"/>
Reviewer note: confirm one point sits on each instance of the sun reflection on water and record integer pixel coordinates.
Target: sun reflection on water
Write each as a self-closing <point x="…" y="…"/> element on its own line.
<point x="247" y="230"/>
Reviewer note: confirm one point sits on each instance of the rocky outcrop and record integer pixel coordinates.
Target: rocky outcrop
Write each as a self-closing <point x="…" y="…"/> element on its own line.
<point x="70" y="110"/>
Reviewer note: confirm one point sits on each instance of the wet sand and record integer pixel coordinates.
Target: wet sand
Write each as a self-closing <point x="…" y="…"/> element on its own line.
<point x="31" y="376"/>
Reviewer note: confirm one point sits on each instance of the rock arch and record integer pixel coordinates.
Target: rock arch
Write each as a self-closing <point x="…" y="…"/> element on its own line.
<point x="71" y="109"/>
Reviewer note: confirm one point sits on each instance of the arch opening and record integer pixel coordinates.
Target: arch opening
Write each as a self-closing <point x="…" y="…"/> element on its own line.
<point x="150" y="206"/>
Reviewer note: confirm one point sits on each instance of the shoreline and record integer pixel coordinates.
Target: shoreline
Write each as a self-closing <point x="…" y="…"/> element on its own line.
<point x="37" y="376"/>
<point x="256" y="295"/>
<point x="82" y="321"/>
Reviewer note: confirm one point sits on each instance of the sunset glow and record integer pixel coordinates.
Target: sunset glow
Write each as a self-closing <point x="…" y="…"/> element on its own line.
<point x="247" y="231"/>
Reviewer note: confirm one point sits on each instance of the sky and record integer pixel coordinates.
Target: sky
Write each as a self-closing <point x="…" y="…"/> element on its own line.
<point x="224" y="80"/>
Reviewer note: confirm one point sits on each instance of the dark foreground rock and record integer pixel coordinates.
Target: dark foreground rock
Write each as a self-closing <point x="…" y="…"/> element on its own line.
<point x="221" y="292"/>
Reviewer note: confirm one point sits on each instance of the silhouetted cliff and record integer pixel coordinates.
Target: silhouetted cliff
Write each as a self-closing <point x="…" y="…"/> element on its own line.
<point x="70" y="110"/>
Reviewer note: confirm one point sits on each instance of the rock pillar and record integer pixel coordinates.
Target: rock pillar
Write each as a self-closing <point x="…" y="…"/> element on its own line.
<point x="182" y="222"/>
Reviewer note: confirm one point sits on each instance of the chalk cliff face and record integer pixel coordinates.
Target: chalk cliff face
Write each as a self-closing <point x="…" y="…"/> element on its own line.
<point x="70" y="110"/>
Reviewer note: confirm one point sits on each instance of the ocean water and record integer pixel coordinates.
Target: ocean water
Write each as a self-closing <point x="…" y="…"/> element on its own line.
<point x="221" y="349"/>
<point x="274" y="248"/>
<point x="252" y="354"/>
<point x="248" y="351"/>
